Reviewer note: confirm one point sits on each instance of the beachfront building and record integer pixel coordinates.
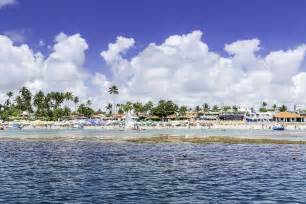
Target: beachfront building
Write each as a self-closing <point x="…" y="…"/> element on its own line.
<point x="187" y="116"/>
<point x="231" y="116"/>
<point x="252" y="116"/>
<point x="210" y="116"/>
<point x="289" y="117"/>
<point x="299" y="108"/>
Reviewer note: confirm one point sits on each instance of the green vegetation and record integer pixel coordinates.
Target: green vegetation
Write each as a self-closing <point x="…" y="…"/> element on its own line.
<point x="47" y="106"/>
<point x="263" y="107"/>
<point x="55" y="106"/>
<point x="86" y="110"/>
<point x="282" y="108"/>
<point x="113" y="90"/>
<point x="164" y="109"/>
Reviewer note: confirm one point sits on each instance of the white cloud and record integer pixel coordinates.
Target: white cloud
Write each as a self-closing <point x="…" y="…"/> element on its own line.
<point x="6" y="2"/>
<point x="62" y="70"/>
<point x="120" y="66"/>
<point x="18" y="64"/>
<point x="299" y="82"/>
<point x="182" y="68"/>
<point x="119" y="47"/>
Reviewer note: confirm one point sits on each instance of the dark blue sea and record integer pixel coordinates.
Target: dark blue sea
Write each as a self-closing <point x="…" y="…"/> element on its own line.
<point x="97" y="172"/>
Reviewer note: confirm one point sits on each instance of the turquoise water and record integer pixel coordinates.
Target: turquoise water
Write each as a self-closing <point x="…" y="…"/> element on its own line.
<point x="91" y="171"/>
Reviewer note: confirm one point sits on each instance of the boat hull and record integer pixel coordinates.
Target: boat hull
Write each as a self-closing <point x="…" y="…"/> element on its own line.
<point x="278" y="128"/>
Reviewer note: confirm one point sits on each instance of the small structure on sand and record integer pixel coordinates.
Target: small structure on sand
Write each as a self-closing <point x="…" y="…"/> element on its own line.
<point x="288" y="117"/>
<point x="130" y="121"/>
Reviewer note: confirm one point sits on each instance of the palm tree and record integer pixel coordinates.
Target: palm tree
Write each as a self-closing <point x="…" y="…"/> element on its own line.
<point x="182" y="110"/>
<point x="76" y="101"/>
<point x="10" y="95"/>
<point x="38" y="101"/>
<point x="59" y="98"/>
<point x="138" y="108"/>
<point x="26" y="97"/>
<point x="235" y="109"/>
<point x="148" y="107"/>
<point x="128" y="106"/>
<point x="226" y="108"/>
<point x="282" y="108"/>
<point x="215" y="108"/>
<point x="274" y="107"/>
<point x="197" y="109"/>
<point x="109" y="107"/>
<point x="263" y="107"/>
<point x="205" y="107"/>
<point x="113" y="90"/>
<point x="18" y="101"/>
<point x="68" y="97"/>
<point x="88" y="102"/>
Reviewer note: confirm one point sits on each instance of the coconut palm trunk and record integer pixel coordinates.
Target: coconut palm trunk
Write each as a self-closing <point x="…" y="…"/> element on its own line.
<point x="113" y="90"/>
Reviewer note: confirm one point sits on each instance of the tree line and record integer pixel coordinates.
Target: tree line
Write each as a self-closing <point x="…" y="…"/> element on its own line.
<point x="55" y="106"/>
<point x="46" y="106"/>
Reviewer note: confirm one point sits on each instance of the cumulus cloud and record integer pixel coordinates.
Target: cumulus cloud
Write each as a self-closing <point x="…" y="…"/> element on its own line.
<point x="6" y="3"/>
<point x="18" y="64"/>
<point x="299" y="82"/>
<point x="183" y="68"/>
<point x="62" y="70"/>
<point x="113" y="56"/>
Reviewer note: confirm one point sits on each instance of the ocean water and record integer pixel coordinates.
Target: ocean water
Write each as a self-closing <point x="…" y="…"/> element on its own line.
<point x="121" y="133"/>
<point x="91" y="171"/>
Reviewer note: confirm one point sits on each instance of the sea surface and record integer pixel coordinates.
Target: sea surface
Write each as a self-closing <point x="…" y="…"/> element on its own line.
<point x="100" y="133"/>
<point x="91" y="171"/>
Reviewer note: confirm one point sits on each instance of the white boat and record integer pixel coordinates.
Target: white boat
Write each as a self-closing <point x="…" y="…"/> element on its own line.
<point x="278" y="127"/>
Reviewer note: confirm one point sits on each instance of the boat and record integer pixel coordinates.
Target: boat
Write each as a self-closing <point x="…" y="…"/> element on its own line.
<point x="278" y="127"/>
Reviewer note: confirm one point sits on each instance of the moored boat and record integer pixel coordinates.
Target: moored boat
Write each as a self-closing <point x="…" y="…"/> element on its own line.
<point x="278" y="127"/>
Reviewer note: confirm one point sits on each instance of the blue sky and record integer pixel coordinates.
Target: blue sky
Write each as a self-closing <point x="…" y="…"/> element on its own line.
<point x="216" y="51"/>
<point x="278" y="24"/>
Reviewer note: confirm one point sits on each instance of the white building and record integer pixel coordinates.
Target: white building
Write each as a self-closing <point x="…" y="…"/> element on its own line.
<point x="252" y="116"/>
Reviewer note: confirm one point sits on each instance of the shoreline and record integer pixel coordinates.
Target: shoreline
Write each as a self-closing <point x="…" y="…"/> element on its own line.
<point x="198" y="124"/>
<point x="163" y="133"/>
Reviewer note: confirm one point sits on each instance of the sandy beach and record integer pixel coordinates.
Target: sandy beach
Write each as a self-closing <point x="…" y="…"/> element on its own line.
<point x="227" y="125"/>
